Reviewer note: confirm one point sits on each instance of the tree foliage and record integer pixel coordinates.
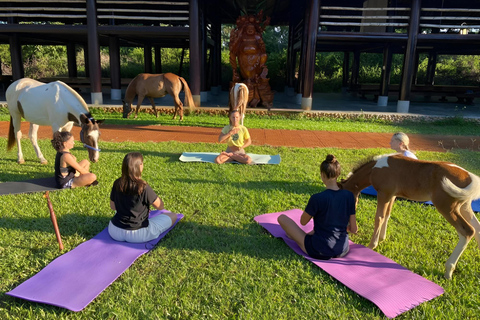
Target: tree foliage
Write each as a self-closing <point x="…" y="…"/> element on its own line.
<point x="51" y="61"/>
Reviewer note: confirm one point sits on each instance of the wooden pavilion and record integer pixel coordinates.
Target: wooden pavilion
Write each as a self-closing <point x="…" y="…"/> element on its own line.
<point x="407" y="27"/>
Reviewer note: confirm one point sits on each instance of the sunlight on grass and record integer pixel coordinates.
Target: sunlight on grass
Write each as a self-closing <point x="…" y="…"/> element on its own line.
<point x="218" y="263"/>
<point x="346" y="122"/>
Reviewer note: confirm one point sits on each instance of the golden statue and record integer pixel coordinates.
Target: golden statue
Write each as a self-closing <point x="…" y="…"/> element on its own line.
<point x="246" y="45"/>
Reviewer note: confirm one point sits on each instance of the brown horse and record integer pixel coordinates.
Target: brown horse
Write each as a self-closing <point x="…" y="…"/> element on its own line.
<point x="238" y="99"/>
<point x="157" y="86"/>
<point x="450" y="188"/>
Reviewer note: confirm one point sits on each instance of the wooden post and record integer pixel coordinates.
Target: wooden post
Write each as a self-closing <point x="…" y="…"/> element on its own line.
<point x="147" y="53"/>
<point x="311" y="49"/>
<point x="17" y="59"/>
<point x="346" y="69"/>
<point x="54" y="221"/>
<point x="94" y="53"/>
<point x="195" y="54"/>
<point x="71" y="60"/>
<point x="115" y="74"/>
<point x="158" y="59"/>
<point x="409" y="59"/>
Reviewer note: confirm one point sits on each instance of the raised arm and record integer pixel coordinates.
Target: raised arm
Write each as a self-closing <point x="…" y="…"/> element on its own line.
<point x="224" y="136"/>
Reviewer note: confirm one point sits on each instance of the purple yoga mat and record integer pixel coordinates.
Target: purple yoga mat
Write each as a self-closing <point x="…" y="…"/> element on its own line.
<point x="74" y="279"/>
<point x="393" y="288"/>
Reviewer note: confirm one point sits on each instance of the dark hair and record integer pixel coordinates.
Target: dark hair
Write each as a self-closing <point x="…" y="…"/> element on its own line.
<point x="330" y="167"/>
<point x="131" y="182"/>
<point x="59" y="138"/>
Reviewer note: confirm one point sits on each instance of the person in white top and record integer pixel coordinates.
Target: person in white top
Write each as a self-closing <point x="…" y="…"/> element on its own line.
<point x="400" y="143"/>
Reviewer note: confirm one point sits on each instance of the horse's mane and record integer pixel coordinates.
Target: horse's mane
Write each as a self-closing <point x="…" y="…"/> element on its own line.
<point x="364" y="162"/>
<point x="74" y="93"/>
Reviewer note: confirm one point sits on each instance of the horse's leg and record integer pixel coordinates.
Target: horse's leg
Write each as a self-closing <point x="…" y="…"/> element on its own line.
<point x="32" y="134"/>
<point x="152" y="101"/>
<point x="383" y="201"/>
<point x="469" y="215"/>
<point x="454" y="215"/>
<point x="18" y="136"/>
<point x="178" y="106"/>
<point x="139" y="103"/>
<point x="383" y="230"/>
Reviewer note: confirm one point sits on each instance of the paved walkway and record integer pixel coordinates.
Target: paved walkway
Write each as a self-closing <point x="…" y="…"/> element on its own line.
<point x="287" y="138"/>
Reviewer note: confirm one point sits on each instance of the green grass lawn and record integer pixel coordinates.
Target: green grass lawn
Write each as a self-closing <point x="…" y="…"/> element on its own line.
<point x="218" y="263"/>
<point x="295" y="121"/>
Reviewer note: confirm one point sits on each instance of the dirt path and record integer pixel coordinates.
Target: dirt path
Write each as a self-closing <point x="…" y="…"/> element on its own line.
<point x="288" y="138"/>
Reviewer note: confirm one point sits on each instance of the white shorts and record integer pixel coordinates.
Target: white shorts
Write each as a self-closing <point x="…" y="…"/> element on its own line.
<point x="156" y="226"/>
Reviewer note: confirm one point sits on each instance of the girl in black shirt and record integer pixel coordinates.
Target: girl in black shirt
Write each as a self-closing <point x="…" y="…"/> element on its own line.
<point x="131" y="198"/>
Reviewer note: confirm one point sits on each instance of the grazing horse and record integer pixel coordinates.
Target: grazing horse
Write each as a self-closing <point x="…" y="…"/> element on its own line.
<point x="450" y="188"/>
<point x="238" y="99"/>
<point x="53" y="104"/>
<point x="157" y="86"/>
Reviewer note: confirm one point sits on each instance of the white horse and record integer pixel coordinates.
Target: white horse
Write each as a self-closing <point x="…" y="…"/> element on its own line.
<point x="53" y="104"/>
<point x="238" y="99"/>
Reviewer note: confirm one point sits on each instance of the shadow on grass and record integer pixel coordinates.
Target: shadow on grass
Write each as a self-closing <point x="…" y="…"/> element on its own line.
<point x="170" y="156"/>
<point x="284" y="186"/>
<point x="68" y="224"/>
<point x="251" y="240"/>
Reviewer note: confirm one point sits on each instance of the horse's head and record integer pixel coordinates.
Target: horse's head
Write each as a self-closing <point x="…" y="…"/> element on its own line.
<point x="127" y="108"/>
<point x="358" y="179"/>
<point x="89" y="135"/>
<point x="350" y="185"/>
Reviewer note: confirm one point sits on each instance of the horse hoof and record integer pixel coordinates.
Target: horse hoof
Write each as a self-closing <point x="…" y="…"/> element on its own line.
<point x="21" y="161"/>
<point x="44" y="162"/>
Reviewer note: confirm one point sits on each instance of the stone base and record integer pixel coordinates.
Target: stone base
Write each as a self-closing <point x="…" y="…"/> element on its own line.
<point x="97" y="98"/>
<point x="306" y="104"/>
<point x="382" y="101"/>
<point x="116" y="94"/>
<point x="197" y="100"/>
<point x="403" y="106"/>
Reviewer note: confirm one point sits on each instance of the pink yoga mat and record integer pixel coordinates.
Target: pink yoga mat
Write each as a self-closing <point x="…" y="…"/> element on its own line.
<point x="74" y="279"/>
<point x="393" y="288"/>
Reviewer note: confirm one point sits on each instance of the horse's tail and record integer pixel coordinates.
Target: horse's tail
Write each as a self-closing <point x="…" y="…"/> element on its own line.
<point x="11" y="135"/>
<point x="242" y="97"/>
<point x="188" y="95"/>
<point x="469" y="193"/>
<point x="131" y="91"/>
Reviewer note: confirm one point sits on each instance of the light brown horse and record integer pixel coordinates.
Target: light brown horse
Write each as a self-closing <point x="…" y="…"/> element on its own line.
<point x="238" y="99"/>
<point x="157" y="86"/>
<point x="450" y="188"/>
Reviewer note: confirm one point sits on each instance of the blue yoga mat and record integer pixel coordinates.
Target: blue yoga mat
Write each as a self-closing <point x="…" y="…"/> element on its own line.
<point x="370" y="191"/>
<point x="76" y="278"/>
<point x="210" y="157"/>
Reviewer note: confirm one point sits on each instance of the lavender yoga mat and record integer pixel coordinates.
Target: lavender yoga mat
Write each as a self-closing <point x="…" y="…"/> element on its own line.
<point x="393" y="288"/>
<point x="74" y="279"/>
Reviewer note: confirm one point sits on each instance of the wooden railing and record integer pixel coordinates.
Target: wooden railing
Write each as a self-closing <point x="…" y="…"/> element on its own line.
<point x="396" y="19"/>
<point x="118" y="12"/>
